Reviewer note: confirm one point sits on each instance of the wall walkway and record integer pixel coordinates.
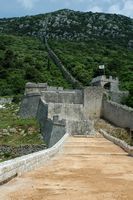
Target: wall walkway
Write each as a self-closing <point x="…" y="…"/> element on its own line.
<point x="87" y="168"/>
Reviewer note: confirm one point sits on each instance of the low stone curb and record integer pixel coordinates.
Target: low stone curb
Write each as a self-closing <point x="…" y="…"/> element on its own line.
<point x="18" y="166"/>
<point x="120" y="143"/>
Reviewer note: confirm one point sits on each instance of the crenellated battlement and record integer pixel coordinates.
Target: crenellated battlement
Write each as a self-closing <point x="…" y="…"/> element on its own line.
<point x="110" y="83"/>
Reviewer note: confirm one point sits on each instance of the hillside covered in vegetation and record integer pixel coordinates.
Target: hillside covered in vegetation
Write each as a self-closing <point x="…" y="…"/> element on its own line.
<point x="24" y="59"/>
<point x="82" y="41"/>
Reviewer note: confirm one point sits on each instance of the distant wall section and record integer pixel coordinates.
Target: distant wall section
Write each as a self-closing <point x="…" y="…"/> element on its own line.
<point x="65" y="72"/>
<point x="63" y="96"/>
<point x="118" y="114"/>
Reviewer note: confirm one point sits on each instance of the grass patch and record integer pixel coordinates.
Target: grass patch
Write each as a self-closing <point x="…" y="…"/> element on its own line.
<point x="117" y="132"/>
<point x="27" y="130"/>
<point x="16" y="133"/>
<point x="17" y="140"/>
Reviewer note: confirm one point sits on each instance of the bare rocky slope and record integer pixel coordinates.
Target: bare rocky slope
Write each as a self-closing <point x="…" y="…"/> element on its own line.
<point x="72" y="25"/>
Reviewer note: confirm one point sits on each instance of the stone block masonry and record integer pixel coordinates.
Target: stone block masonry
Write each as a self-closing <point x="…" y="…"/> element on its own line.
<point x="73" y="112"/>
<point x="29" y="106"/>
<point x="93" y="97"/>
<point x="120" y="143"/>
<point x="120" y="115"/>
<point x="52" y="129"/>
<point x="82" y="127"/>
<point x="63" y="96"/>
<point x="76" y="107"/>
<point x="60" y="112"/>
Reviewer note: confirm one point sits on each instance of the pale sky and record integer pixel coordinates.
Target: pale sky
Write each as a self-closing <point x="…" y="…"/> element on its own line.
<point x="14" y="8"/>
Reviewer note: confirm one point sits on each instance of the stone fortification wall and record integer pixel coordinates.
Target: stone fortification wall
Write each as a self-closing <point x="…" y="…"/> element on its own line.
<point x="72" y="112"/>
<point x="118" y="96"/>
<point x="34" y="106"/>
<point x="29" y="105"/>
<point x="35" y="88"/>
<point x="65" y="72"/>
<point x="54" y="94"/>
<point x="93" y="97"/>
<point x="72" y="105"/>
<point x="18" y="166"/>
<point x="40" y="87"/>
<point x="121" y="143"/>
<point x="88" y="100"/>
<point x="42" y="111"/>
<point x="118" y="114"/>
<point x="81" y="127"/>
<point x="52" y="129"/>
<point x="76" y="107"/>
<point x="64" y="96"/>
<point x="103" y="80"/>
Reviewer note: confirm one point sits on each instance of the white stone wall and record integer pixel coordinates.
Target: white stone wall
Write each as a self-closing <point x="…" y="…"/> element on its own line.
<point x="64" y="96"/>
<point x="118" y="114"/>
<point x="83" y="127"/>
<point x="120" y="143"/>
<point x="66" y="111"/>
<point x="29" y="162"/>
<point x="93" y="97"/>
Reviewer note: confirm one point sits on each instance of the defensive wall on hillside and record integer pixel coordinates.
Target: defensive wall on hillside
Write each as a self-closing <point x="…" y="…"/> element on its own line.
<point x="75" y="83"/>
<point x="112" y="86"/>
<point x="111" y="83"/>
<point x="60" y="113"/>
<point x="120" y="115"/>
<point x="73" y="109"/>
<point x="112" y="110"/>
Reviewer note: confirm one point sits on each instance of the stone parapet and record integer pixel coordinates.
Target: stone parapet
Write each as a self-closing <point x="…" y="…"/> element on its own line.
<point x="120" y="143"/>
<point x="18" y="166"/>
<point x="118" y="114"/>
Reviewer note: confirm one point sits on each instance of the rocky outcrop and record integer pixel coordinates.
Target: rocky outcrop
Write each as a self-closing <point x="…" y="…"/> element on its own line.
<point x="71" y="25"/>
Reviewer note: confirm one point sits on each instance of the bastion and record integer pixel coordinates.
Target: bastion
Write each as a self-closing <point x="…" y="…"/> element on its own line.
<point x="61" y="111"/>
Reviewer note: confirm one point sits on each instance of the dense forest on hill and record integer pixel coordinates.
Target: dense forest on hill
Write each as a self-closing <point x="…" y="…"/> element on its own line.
<point x="83" y="58"/>
<point x="82" y="41"/>
<point x="24" y="59"/>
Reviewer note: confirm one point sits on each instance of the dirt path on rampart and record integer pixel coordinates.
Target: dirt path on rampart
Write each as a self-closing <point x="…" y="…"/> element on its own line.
<point x="86" y="169"/>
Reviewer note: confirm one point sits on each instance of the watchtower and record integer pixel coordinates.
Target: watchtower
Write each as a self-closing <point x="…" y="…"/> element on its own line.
<point x="111" y="84"/>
